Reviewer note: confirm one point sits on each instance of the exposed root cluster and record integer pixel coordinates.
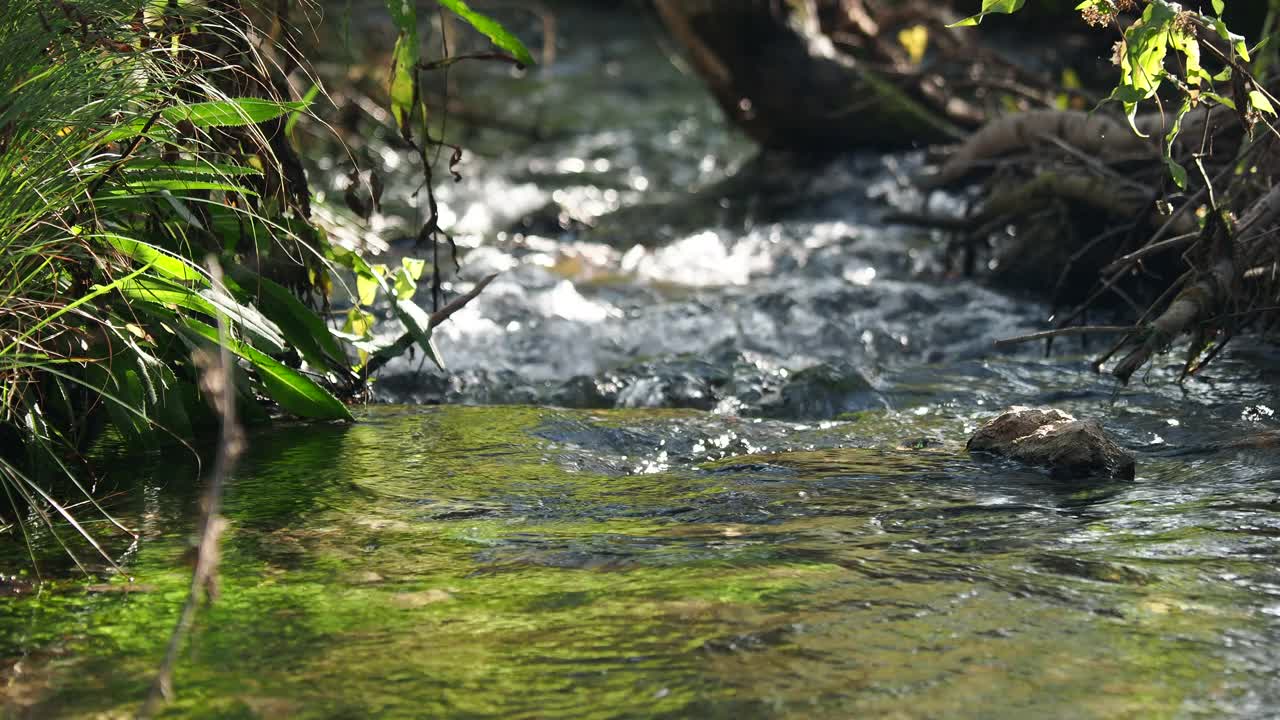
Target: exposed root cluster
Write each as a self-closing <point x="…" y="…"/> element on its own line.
<point x="1082" y="204"/>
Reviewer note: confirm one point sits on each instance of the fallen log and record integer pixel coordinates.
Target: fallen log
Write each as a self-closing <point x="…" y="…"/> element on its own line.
<point x="776" y="75"/>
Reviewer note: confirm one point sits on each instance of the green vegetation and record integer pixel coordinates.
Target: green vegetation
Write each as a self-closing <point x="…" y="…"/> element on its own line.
<point x="141" y="142"/>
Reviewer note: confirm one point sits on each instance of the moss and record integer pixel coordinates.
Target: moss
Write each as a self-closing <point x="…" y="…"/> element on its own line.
<point x="430" y="563"/>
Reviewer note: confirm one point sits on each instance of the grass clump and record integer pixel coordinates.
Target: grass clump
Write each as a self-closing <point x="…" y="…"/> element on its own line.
<point x="137" y="140"/>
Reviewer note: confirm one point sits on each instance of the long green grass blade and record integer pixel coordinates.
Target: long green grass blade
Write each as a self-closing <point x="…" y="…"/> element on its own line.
<point x="294" y="392"/>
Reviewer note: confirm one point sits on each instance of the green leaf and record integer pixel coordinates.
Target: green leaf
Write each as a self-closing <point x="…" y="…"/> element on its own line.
<point x="153" y="184"/>
<point x="1221" y="100"/>
<point x="404" y="81"/>
<point x="1146" y="44"/>
<point x="301" y="327"/>
<point x="1218" y="7"/>
<point x="404" y="13"/>
<point x="160" y="260"/>
<point x="175" y="168"/>
<point x="295" y="115"/>
<point x="232" y="113"/>
<point x="1189" y="46"/>
<point x="418" y="323"/>
<point x="220" y="113"/>
<point x="1237" y="41"/>
<point x="242" y="231"/>
<point x="1178" y="173"/>
<point x="491" y="29"/>
<point x="165" y="294"/>
<point x="407" y="277"/>
<point x="171" y="407"/>
<point x="359" y="323"/>
<point x="266" y="335"/>
<point x="414" y="267"/>
<point x="404" y="65"/>
<point x="118" y="383"/>
<point x="1004" y="7"/>
<point x="1260" y="102"/>
<point x="208" y="302"/>
<point x="294" y="392"/>
<point x="367" y="285"/>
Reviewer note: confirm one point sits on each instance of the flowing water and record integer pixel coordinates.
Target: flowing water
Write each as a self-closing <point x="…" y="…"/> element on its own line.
<point x="697" y="463"/>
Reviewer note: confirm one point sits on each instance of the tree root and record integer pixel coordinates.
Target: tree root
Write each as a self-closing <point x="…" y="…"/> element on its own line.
<point x="1094" y="135"/>
<point x="1187" y="310"/>
<point x="1197" y="304"/>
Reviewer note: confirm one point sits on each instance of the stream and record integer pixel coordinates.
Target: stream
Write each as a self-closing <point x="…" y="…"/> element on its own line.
<point x="691" y="458"/>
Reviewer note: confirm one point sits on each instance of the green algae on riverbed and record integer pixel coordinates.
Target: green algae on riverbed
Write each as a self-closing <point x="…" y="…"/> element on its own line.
<point x="505" y="562"/>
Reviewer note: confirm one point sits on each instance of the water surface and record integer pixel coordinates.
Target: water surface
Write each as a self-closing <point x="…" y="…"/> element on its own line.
<point x="712" y="466"/>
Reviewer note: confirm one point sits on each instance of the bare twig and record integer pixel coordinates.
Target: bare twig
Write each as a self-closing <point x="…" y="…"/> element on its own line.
<point x="1121" y="263"/>
<point x="220" y="387"/>
<point x="406" y="341"/>
<point x="1059" y="332"/>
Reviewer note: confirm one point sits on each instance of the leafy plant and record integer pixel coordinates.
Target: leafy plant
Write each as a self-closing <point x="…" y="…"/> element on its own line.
<point x="1166" y="31"/>
<point x="138" y="139"/>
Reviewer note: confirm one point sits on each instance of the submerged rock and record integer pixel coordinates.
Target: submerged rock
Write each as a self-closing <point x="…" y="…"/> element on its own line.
<point x="1068" y="447"/>
<point x="822" y="392"/>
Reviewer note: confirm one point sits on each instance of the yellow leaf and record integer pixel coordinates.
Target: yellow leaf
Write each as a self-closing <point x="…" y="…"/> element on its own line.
<point x="916" y="40"/>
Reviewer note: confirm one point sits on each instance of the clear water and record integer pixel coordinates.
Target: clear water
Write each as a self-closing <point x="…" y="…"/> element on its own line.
<point x="713" y="466"/>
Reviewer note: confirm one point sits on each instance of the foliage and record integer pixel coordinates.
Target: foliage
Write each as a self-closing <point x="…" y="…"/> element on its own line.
<point x="138" y="141"/>
<point x="1166" y="31"/>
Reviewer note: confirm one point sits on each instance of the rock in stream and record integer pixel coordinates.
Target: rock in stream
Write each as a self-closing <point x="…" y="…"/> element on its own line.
<point x="1050" y="438"/>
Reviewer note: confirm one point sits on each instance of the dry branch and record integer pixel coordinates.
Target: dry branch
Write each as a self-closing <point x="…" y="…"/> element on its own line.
<point x="220" y="387"/>
<point x="1094" y="135"/>
<point x="1199" y="302"/>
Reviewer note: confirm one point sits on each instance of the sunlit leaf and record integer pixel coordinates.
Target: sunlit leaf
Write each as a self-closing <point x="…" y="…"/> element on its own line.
<point x="1237" y="41"/>
<point x="1146" y="44"/>
<point x="406" y="277"/>
<point x="1176" y="171"/>
<point x="404" y="64"/>
<point x="302" y="328"/>
<point x="220" y="113"/>
<point x="1004" y="7"/>
<point x="165" y="294"/>
<point x="208" y="302"/>
<point x="491" y="29"/>
<point x="404" y="81"/>
<point x="418" y="323"/>
<point x="1260" y="101"/>
<point x="294" y="116"/>
<point x="294" y="392"/>
<point x="359" y="323"/>
<point x="173" y="168"/>
<point x="160" y="260"/>
<point x="367" y="285"/>
<point x="916" y="41"/>
<point x="1187" y="44"/>
<point x="152" y="184"/>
